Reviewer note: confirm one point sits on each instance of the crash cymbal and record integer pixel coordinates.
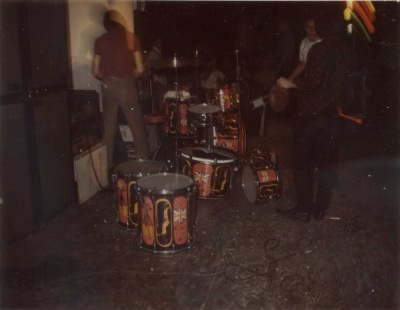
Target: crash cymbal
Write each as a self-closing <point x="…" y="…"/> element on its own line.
<point x="171" y="63"/>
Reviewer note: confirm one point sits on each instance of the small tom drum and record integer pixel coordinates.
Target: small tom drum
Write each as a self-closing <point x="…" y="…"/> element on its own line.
<point x="167" y="212"/>
<point x="204" y="115"/>
<point x="211" y="168"/>
<point x="125" y="177"/>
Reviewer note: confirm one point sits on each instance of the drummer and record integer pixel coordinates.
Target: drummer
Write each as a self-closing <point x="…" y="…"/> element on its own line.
<point x="212" y="79"/>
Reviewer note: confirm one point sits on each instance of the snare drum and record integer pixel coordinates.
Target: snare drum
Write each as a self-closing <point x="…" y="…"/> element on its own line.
<point x="211" y="168"/>
<point x="204" y="115"/>
<point x="167" y="212"/>
<point x="170" y="107"/>
<point x="125" y="177"/>
<point x="261" y="183"/>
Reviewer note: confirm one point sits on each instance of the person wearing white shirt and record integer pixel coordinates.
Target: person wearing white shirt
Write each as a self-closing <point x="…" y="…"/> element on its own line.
<point x="305" y="46"/>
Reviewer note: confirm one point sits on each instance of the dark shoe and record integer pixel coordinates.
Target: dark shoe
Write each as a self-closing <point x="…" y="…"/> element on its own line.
<point x="319" y="214"/>
<point x="296" y="214"/>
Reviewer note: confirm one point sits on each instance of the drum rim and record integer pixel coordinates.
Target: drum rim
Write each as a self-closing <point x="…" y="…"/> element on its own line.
<point x="217" y="109"/>
<point x="206" y="160"/>
<point x="255" y="183"/>
<point x="165" y="191"/>
<point x="163" y="167"/>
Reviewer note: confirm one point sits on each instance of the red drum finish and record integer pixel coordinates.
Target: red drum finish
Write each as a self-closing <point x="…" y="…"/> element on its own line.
<point x="167" y="212"/>
<point x="261" y="178"/>
<point x="180" y="110"/>
<point x="211" y="168"/>
<point x="232" y="136"/>
<point x="125" y="177"/>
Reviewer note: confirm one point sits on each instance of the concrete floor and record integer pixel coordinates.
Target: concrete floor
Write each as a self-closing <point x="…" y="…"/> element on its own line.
<point x="245" y="255"/>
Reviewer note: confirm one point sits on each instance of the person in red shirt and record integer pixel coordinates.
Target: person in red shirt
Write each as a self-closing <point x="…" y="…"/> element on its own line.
<point x="117" y="62"/>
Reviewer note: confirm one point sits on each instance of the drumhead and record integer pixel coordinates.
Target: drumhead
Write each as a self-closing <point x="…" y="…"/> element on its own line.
<point x="140" y="167"/>
<point x="204" y="108"/>
<point x="165" y="182"/>
<point x="249" y="184"/>
<point x="208" y="155"/>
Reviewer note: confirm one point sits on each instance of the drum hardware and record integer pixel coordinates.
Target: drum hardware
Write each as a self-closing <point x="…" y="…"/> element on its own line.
<point x="125" y="177"/>
<point x="158" y="120"/>
<point x="167" y="213"/>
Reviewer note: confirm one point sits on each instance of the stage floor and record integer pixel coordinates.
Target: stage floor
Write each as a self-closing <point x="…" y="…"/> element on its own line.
<point x="245" y="255"/>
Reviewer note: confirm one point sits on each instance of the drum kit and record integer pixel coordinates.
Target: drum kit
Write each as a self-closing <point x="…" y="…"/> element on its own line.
<point x="160" y="205"/>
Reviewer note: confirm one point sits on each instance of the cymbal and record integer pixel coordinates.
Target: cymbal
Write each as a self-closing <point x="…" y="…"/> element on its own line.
<point x="170" y="63"/>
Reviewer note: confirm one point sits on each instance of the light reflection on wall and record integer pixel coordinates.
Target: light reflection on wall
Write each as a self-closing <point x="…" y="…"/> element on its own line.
<point x="85" y="25"/>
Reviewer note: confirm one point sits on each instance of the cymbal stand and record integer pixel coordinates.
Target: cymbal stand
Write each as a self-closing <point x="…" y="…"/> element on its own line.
<point x="152" y="89"/>
<point x="197" y="72"/>
<point x="239" y="107"/>
<point x="176" y="111"/>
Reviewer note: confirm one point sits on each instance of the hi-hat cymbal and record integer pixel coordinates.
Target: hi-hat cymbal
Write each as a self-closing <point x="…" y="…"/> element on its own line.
<point x="170" y="63"/>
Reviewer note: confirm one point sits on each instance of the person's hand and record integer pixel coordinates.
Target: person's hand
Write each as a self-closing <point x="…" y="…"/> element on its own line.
<point x="285" y="83"/>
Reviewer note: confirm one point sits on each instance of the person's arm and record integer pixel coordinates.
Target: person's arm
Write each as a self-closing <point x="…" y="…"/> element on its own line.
<point x="139" y="66"/>
<point x="96" y="67"/>
<point x="298" y="70"/>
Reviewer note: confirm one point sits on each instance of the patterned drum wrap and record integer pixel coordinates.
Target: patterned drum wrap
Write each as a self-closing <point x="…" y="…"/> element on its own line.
<point x="261" y="179"/>
<point x="231" y="138"/>
<point x="211" y="168"/>
<point x="125" y="177"/>
<point x="171" y="107"/>
<point x="167" y="212"/>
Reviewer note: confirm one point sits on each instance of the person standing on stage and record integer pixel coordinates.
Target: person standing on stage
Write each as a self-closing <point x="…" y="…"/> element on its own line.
<point x="117" y="62"/>
<point x="305" y="46"/>
<point x="285" y="52"/>
<point x="323" y="89"/>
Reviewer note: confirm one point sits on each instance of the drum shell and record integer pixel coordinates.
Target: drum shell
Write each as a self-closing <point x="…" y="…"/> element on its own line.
<point x="231" y="138"/>
<point x="125" y="177"/>
<point x="182" y="128"/>
<point x="213" y="177"/>
<point x="227" y="98"/>
<point x="261" y="183"/>
<point x="167" y="217"/>
<point x="204" y="115"/>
